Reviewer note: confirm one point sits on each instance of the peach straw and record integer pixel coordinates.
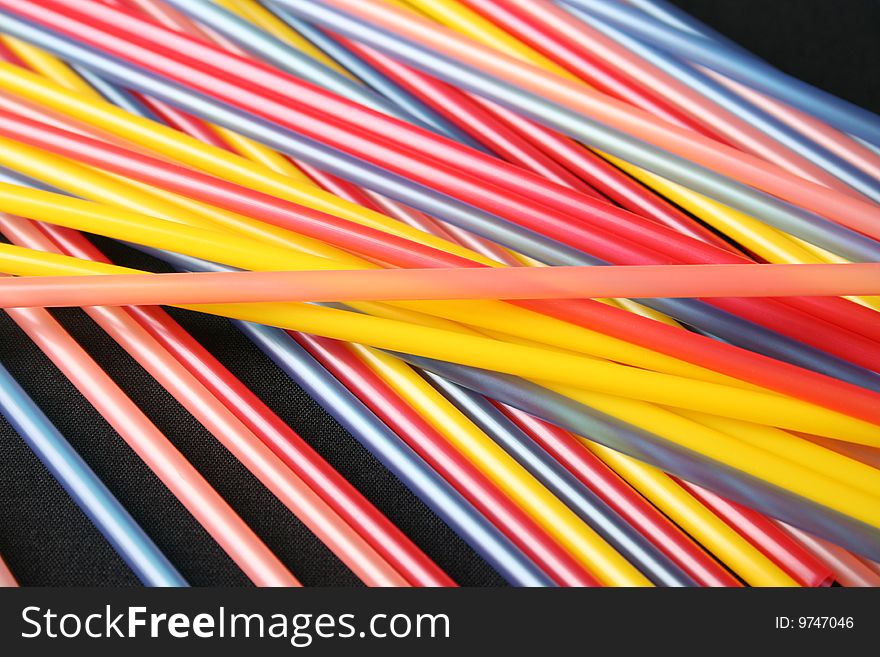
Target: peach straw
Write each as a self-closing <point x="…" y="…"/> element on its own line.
<point x="269" y="469"/>
<point x="448" y="283"/>
<point x="7" y="579"/>
<point x="848" y="569"/>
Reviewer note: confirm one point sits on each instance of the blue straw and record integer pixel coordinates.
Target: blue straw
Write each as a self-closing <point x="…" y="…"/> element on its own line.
<point x="591" y="508"/>
<point x="84" y="486"/>
<point x="680" y="19"/>
<point x="731" y="62"/>
<point x="734" y="103"/>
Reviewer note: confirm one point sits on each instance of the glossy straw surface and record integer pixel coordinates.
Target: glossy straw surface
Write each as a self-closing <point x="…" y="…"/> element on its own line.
<point x="82" y="484"/>
<point x="402" y="284"/>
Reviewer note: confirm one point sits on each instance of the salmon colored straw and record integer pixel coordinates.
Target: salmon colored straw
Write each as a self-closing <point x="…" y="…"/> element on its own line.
<point x="316" y="514"/>
<point x="7" y="579"/>
<point x="424" y="284"/>
<point x="848" y="569"/>
<point x="297" y="454"/>
<point x="159" y="454"/>
<point x="845" y="209"/>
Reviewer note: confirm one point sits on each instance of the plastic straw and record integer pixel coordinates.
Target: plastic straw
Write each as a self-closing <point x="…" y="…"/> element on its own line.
<point x="565" y="526"/>
<point x="592" y="381"/>
<point x="7" y="579"/>
<point x="847" y="569"/>
<point x="82" y="484"/>
<point x="467" y="283"/>
<point x="766" y="339"/>
<point x="798" y="562"/>
<point x="742" y="557"/>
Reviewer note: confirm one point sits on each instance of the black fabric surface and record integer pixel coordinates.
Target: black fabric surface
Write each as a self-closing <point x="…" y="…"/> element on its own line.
<point x="46" y="540"/>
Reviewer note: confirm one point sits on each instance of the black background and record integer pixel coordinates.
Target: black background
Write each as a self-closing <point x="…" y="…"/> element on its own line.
<point x="46" y="540"/>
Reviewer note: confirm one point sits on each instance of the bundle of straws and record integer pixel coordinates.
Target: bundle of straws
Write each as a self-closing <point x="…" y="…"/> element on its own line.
<point x="591" y="280"/>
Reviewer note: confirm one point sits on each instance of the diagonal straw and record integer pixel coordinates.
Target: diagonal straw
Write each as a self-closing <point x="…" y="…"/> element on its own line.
<point x="82" y="484"/>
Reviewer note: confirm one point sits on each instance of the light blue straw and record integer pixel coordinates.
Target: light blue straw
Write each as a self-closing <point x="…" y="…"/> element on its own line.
<point x="733" y="63"/>
<point x="83" y="485"/>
